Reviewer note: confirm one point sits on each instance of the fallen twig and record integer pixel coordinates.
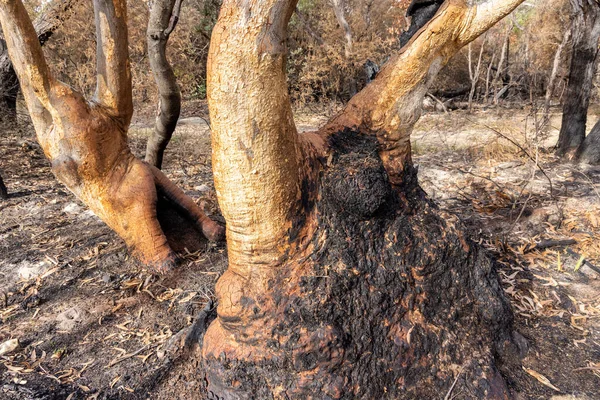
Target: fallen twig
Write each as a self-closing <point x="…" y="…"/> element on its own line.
<point x="546" y="244"/>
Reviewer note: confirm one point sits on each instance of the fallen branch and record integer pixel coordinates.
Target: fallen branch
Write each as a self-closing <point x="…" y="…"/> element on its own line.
<point x="546" y="244"/>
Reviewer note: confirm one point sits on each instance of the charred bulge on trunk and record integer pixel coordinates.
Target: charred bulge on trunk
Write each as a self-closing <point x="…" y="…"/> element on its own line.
<point x="387" y="300"/>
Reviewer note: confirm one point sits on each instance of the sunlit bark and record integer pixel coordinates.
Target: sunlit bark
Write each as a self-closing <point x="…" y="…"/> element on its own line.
<point x="87" y="141"/>
<point x="343" y="279"/>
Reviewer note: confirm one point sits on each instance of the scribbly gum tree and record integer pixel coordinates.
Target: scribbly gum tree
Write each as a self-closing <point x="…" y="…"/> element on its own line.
<point x="344" y="280"/>
<point x="86" y="141"/>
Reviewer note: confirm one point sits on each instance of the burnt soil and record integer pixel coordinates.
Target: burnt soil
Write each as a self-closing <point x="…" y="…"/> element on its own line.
<point x="93" y="324"/>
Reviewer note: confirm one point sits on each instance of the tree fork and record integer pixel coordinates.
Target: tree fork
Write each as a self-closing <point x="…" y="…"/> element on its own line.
<point x="86" y="142"/>
<point x="164" y="15"/>
<point x="344" y="280"/>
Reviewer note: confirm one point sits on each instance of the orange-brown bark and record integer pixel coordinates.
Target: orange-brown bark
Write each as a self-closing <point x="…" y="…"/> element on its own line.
<point x="86" y="141"/>
<point x="335" y="255"/>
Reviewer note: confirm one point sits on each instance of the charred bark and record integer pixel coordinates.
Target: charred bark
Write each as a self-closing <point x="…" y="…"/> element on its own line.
<point x="45" y="25"/>
<point x="589" y="151"/>
<point x="86" y="141"/>
<point x="419" y="12"/>
<point x="388" y="299"/>
<point x="9" y="89"/>
<point x="164" y="15"/>
<point x="586" y="32"/>
<point x="344" y="280"/>
<point x="3" y="191"/>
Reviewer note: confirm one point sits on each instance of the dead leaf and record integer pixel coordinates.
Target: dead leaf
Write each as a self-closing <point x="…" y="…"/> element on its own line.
<point x="541" y="379"/>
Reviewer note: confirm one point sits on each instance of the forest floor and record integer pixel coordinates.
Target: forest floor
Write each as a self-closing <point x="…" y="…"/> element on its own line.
<point x="92" y="324"/>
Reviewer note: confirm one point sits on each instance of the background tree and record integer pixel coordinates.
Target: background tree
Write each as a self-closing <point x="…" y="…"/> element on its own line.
<point x="585" y="33"/>
<point x="344" y="281"/>
<point x="87" y="142"/>
<point x="164" y="15"/>
<point x="3" y="191"/>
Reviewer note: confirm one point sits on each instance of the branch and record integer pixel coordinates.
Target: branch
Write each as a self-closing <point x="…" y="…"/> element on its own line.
<point x="113" y="88"/>
<point x="174" y="18"/>
<point x="483" y="16"/>
<point x="390" y="106"/>
<point x="164" y="15"/>
<point x="52" y="18"/>
<point x="28" y="61"/>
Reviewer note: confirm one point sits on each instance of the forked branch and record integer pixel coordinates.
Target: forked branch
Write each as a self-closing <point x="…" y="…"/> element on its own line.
<point x="164" y="15"/>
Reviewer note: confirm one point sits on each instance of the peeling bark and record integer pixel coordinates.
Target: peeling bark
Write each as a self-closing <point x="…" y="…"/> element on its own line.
<point x="586" y="32"/>
<point x="344" y="280"/>
<point x="164" y="15"/>
<point x="86" y="142"/>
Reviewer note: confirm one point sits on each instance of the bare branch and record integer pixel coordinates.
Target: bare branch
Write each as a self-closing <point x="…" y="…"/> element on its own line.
<point x="113" y="88"/>
<point x="28" y="61"/>
<point x="483" y="16"/>
<point x="164" y="15"/>
<point x="174" y="18"/>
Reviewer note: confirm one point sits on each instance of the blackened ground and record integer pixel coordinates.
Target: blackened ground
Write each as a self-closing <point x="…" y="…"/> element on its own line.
<point x="464" y="167"/>
<point x="391" y="301"/>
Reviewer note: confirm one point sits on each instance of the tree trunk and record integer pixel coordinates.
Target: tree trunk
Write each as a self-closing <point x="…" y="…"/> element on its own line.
<point x="9" y="89"/>
<point x="555" y="65"/>
<point x="344" y="280"/>
<point x="164" y="15"/>
<point x="45" y="25"/>
<point x="474" y="74"/>
<point x="586" y="32"/>
<point x="501" y="71"/>
<point x="86" y="142"/>
<point x="3" y="191"/>
<point x="338" y="9"/>
<point x="589" y="151"/>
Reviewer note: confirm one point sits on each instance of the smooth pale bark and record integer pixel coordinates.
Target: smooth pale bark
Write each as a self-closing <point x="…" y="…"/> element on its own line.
<point x="86" y="142"/>
<point x="52" y="18"/>
<point x="164" y="15"/>
<point x="586" y="32"/>
<point x="334" y="252"/>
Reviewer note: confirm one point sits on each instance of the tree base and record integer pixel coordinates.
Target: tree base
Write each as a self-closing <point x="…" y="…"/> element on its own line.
<point x="386" y="298"/>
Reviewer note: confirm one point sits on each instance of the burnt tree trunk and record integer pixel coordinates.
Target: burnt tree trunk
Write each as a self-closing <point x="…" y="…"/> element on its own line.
<point x="589" y="151"/>
<point x="164" y="15"/>
<point x="45" y="25"/>
<point x="555" y="66"/>
<point x="86" y="141"/>
<point x="344" y="279"/>
<point x="586" y="32"/>
<point x="3" y="191"/>
<point x="9" y="89"/>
